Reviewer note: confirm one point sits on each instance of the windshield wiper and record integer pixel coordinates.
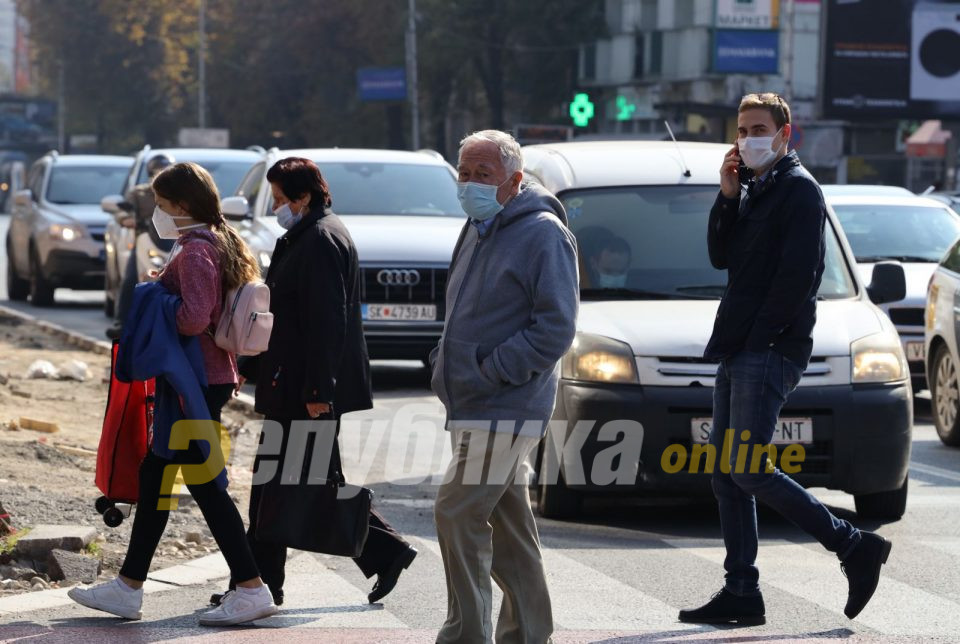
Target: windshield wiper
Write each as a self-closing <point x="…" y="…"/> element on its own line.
<point x="627" y="293"/>
<point x="704" y="289"/>
<point x="872" y="259"/>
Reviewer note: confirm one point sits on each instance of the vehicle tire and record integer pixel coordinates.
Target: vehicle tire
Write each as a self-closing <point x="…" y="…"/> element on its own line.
<point x="102" y="504"/>
<point x="17" y="288"/>
<point x="886" y="506"/>
<point x="555" y="501"/>
<point x="41" y="290"/>
<point x="945" y="396"/>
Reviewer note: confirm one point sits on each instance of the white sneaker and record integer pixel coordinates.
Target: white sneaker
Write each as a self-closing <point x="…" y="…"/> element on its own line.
<point x="238" y="607"/>
<point x="110" y="597"/>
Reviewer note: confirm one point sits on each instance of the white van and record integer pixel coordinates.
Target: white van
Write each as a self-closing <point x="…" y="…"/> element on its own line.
<point x="638" y="354"/>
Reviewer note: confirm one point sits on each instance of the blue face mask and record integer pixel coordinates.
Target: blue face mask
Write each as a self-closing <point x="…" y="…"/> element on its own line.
<point x="285" y="217"/>
<point x="479" y="200"/>
<point x="611" y="280"/>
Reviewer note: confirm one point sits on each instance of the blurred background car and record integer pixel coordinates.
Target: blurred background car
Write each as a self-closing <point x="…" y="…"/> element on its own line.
<point x="952" y="199"/>
<point x="226" y="166"/>
<point x="402" y="210"/>
<point x="638" y="353"/>
<point x="941" y="345"/>
<point x="57" y="226"/>
<point x="863" y="190"/>
<point x="915" y="231"/>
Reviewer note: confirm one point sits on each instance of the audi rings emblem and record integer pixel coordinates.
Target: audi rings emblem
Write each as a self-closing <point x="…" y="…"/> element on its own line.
<point x="398" y="277"/>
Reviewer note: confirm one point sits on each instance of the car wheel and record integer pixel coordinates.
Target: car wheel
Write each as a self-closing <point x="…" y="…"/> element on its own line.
<point x="945" y="395"/>
<point x="887" y="506"/>
<point x="556" y="500"/>
<point x="17" y="288"/>
<point x="41" y="290"/>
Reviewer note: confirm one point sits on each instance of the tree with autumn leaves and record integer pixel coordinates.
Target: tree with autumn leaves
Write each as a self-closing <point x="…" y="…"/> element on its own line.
<point x="283" y="72"/>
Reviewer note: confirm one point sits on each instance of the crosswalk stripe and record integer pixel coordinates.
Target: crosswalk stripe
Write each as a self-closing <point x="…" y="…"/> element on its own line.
<point x="933" y="470"/>
<point x="816" y="577"/>
<point x="317" y="597"/>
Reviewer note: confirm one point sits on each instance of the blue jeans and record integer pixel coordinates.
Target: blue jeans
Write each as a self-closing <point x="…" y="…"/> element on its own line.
<point x="750" y="390"/>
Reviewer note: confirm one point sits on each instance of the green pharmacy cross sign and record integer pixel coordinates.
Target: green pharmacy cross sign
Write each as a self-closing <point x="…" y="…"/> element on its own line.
<point x="625" y="109"/>
<point x="581" y="110"/>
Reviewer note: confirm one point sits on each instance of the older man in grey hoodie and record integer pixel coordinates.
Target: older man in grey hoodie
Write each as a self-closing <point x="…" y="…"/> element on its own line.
<point x="512" y="299"/>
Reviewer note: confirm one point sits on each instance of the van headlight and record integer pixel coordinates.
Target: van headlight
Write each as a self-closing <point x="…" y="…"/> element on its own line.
<point x="65" y="232"/>
<point x="878" y="358"/>
<point x="595" y="358"/>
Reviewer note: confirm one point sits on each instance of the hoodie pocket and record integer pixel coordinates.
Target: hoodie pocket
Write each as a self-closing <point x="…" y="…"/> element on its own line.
<point x="460" y="376"/>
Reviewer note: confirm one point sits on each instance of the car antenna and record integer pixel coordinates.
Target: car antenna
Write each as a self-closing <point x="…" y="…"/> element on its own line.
<point x="686" y="169"/>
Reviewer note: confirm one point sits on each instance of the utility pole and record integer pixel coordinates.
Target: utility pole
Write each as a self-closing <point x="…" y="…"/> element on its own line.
<point x="789" y="40"/>
<point x="61" y="109"/>
<point x="412" y="73"/>
<point x="202" y="68"/>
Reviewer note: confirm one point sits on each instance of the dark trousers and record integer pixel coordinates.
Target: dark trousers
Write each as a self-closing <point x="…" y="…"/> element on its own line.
<point x="384" y="544"/>
<point x="129" y="283"/>
<point x="750" y="390"/>
<point x="218" y="508"/>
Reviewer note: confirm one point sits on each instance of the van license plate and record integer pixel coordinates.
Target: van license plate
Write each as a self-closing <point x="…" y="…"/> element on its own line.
<point x="915" y="351"/>
<point x="399" y="312"/>
<point x="788" y="431"/>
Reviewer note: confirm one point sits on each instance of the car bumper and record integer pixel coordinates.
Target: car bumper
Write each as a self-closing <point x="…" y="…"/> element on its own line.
<point x="861" y="434"/>
<point x="401" y="340"/>
<point x="75" y="269"/>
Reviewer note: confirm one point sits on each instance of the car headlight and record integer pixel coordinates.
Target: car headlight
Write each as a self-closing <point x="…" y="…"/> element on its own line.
<point x="264" y="257"/>
<point x="66" y="232"/>
<point x="878" y="358"/>
<point x="595" y="358"/>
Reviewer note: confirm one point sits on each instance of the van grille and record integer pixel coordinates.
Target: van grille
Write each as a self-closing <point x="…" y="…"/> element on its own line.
<point x="430" y="288"/>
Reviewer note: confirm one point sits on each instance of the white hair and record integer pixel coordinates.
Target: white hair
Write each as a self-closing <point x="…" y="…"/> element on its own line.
<point x="510" y="154"/>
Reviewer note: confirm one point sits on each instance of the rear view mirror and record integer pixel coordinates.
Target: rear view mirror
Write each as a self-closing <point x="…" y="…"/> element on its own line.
<point x="23" y="198"/>
<point x="111" y="204"/>
<point x="888" y="283"/>
<point x="235" y="208"/>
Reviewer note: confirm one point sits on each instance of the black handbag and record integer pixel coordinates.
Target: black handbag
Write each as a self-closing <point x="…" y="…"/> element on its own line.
<point x="331" y="517"/>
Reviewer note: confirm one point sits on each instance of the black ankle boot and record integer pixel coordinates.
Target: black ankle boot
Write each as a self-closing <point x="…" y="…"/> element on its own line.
<point x="862" y="568"/>
<point x="727" y="608"/>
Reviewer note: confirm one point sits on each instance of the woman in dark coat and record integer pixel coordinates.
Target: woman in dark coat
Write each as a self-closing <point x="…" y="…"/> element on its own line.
<point x="316" y="366"/>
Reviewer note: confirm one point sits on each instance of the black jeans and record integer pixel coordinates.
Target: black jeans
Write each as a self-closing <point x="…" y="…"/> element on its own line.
<point x="384" y="544"/>
<point x="218" y="509"/>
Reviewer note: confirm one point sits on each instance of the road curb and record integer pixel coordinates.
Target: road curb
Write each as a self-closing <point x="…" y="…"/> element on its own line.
<point x="242" y="402"/>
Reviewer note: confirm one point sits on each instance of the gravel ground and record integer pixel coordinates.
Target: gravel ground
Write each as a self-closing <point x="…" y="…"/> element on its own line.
<point x="49" y="477"/>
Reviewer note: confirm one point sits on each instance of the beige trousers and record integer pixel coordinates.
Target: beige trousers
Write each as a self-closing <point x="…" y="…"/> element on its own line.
<point x="485" y="527"/>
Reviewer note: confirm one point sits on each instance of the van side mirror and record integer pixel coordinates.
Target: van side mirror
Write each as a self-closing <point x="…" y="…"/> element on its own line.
<point x="111" y="204"/>
<point x="23" y="198"/>
<point x="235" y="208"/>
<point x="888" y="283"/>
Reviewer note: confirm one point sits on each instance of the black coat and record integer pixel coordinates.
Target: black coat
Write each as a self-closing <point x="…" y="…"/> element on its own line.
<point x="770" y="240"/>
<point x="317" y="352"/>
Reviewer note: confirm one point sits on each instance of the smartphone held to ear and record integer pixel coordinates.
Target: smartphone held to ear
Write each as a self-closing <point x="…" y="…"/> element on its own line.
<point x="744" y="174"/>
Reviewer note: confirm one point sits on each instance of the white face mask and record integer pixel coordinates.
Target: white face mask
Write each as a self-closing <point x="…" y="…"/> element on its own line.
<point x="166" y="227"/>
<point x="757" y="151"/>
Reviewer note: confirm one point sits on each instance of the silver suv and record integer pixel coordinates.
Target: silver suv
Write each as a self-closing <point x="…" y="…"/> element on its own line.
<point x="57" y="225"/>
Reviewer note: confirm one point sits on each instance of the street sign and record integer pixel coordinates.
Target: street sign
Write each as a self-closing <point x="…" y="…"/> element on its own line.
<point x="382" y="83"/>
<point x="196" y="137"/>
<point x="581" y="110"/>
<point x="747" y="52"/>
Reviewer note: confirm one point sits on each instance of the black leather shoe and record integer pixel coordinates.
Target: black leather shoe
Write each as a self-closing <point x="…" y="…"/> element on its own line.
<point x="862" y="568"/>
<point x="216" y="598"/>
<point x="727" y="608"/>
<point x="387" y="581"/>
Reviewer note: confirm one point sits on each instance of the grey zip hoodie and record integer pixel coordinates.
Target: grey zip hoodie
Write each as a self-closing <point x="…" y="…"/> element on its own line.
<point x="512" y="301"/>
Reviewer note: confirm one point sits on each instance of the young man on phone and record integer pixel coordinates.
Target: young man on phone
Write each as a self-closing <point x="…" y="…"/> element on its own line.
<point x="769" y="236"/>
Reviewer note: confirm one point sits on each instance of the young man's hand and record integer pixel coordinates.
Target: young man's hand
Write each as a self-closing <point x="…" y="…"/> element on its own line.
<point x="730" y="174"/>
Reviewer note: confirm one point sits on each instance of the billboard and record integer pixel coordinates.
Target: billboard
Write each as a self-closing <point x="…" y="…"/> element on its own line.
<point x="382" y="83"/>
<point x="746" y="52"/>
<point x="748" y="14"/>
<point x="902" y="62"/>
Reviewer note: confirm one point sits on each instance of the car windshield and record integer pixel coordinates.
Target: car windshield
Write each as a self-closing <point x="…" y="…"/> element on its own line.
<point x="391" y="189"/>
<point x="226" y="174"/>
<point x="650" y="242"/>
<point x="84" y="184"/>
<point x="904" y="233"/>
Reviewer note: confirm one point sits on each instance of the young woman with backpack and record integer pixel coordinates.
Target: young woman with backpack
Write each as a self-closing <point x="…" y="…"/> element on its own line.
<point x="208" y="260"/>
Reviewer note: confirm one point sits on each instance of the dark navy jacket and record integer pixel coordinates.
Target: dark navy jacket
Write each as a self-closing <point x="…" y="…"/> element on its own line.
<point x="770" y="240"/>
<point x="151" y="347"/>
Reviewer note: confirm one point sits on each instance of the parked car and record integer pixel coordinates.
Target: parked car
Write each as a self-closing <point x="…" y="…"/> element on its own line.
<point x="951" y="199"/>
<point x="57" y="226"/>
<point x="401" y="209"/>
<point x="638" y="353"/>
<point x="227" y="167"/>
<point x="914" y="231"/>
<point x="941" y="345"/>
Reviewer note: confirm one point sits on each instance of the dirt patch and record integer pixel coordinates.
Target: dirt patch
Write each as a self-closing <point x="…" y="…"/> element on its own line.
<point x="49" y="477"/>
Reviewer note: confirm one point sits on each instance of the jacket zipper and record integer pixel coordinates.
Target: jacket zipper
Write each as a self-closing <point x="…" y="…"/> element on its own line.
<point x="446" y="332"/>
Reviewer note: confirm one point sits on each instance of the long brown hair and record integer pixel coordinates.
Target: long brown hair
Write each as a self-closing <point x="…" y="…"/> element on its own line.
<point x="192" y="187"/>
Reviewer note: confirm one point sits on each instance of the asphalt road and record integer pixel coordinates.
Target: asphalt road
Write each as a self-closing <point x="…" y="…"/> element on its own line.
<point x="619" y="574"/>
